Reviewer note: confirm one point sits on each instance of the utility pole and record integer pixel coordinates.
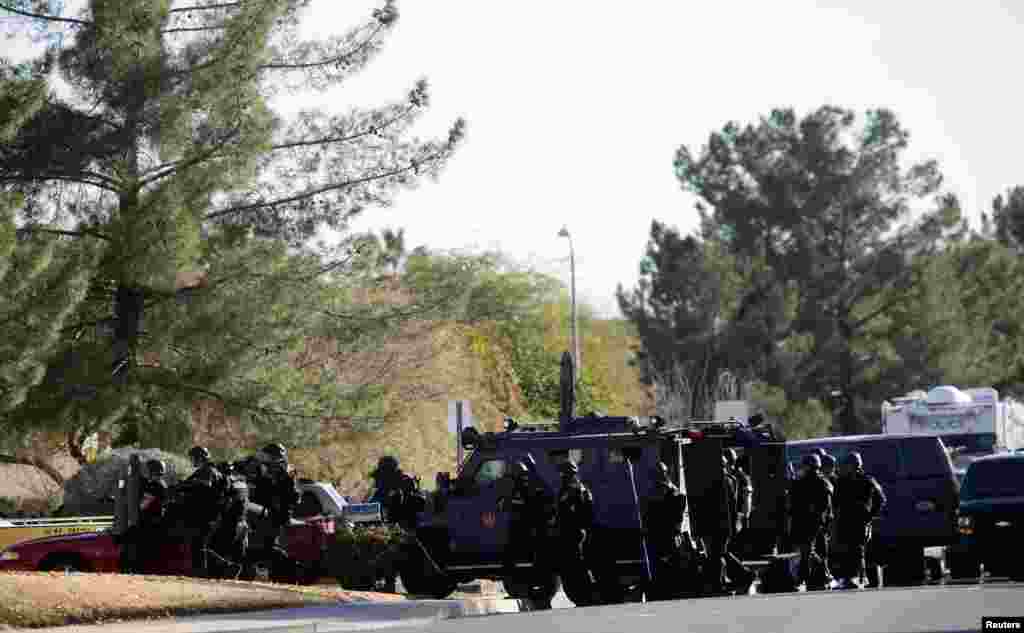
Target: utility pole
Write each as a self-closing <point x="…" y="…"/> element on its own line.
<point x="577" y="361"/>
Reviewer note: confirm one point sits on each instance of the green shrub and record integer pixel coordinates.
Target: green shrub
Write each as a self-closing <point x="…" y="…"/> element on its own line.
<point x="360" y="555"/>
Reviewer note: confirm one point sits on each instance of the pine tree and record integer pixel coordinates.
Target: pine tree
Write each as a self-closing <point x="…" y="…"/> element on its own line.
<point x="165" y="152"/>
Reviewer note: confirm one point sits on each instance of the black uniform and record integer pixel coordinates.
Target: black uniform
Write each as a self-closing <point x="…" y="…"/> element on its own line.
<point x="859" y="500"/>
<point x="230" y="541"/>
<point x="664" y="523"/>
<point x="205" y="490"/>
<point x="717" y="523"/>
<point x="824" y="543"/>
<point x="533" y="519"/>
<point x="811" y="507"/>
<point x="575" y="513"/>
<point x="145" y="536"/>
<point x="277" y="493"/>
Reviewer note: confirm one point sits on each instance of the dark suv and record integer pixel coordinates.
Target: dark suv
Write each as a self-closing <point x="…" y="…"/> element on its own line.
<point x="922" y="494"/>
<point x="990" y="518"/>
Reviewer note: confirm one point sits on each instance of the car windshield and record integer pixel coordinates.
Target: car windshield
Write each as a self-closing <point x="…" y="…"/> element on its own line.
<point x="968" y="443"/>
<point x="985" y="480"/>
<point x="333" y="494"/>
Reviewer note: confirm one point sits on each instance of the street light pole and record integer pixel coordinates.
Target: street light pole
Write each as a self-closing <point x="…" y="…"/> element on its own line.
<point x="575" y="340"/>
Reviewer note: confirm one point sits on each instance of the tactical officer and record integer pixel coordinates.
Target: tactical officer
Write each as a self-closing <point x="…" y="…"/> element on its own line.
<point x="824" y="543"/>
<point x="144" y="537"/>
<point x="277" y="493"/>
<point x="744" y="490"/>
<point x="575" y="512"/>
<point x="533" y="519"/>
<point x="859" y="500"/>
<point x="230" y="541"/>
<point x="811" y="506"/>
<point x="205" y="489"/>
<point x="398" y="493"/>
<point x="666" y="513"/>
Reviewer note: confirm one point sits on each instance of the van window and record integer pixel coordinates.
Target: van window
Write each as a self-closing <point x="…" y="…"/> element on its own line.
<point x="924" y="458"/>
<point x="882" y="459"/>
<point x="1003" y="478"/>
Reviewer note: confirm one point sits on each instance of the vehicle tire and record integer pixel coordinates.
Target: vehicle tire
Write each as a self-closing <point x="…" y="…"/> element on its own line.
<point x="581" y="591"/>
<point x="63" y="562"/>
<point x="420" y="579"/>
<point x="934" y="566"/>
<point x="905" y="570"/>
<point x="964" y="567"/>
<point x="539" y="590"/>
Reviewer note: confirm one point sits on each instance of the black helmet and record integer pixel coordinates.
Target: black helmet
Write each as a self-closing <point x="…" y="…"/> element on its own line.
<point x="276" y="451"/>
<point x="663" y="469"/>
<point x="156" y="468"/>
<point x="388" y="463"/>
<point x="812" y="461"/>
<point x="199" y="452"/>
<point x="854" y="459"/>
<point x="730" y="456"/>
<point x="829" y="461"/>
<point x="569" y="468"/>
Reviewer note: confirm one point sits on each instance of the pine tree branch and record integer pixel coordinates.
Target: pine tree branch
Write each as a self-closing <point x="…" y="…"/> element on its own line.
<point x="169" y="169"/>
<point x="40" y="16"/>
<point x="207" y="7"/>
<point x="101" y="184"/>
<point x="194" y="29"/>
<point x="346" y="139"/>
<point x="319" y="190"/>
<point x="339" y="59"/>
<point x="84" y="233"/>
<point x="220" y="397"/>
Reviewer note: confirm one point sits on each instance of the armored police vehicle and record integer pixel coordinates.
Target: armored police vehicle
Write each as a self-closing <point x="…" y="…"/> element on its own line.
<point x="464" y="535"/>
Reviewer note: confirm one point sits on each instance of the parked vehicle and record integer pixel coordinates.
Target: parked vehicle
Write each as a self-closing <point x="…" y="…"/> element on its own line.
<point x="922" y="496"/>
<point x="306" y="540"/>
<point x="990" y="518"/>
<point x="971" y="422"/>
<point x="18" y="530"/>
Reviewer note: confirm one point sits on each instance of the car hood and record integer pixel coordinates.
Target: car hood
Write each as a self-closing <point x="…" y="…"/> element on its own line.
<point x="992" y="505"/>
<point x="78" y="539"/>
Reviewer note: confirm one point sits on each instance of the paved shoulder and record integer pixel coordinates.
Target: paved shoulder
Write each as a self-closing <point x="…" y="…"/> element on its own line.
<point x="918" y="610"/>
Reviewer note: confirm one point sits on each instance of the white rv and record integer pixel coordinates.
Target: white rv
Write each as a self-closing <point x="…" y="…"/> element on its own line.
<point x="971" y="422"/>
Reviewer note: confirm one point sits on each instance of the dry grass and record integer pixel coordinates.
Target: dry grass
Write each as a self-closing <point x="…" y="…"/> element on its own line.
<point x="55" y="599"/>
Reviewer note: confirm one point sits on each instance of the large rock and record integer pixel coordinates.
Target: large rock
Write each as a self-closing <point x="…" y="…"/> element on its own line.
<point x="85" y="494"/>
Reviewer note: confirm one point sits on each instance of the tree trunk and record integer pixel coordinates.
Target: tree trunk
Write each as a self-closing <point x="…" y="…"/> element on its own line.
<point x="75" y="448"/>
<point x="39" y="462"/>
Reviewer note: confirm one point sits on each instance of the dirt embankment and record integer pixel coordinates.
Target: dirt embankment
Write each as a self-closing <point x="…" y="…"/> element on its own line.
<point x="55" y="599"/>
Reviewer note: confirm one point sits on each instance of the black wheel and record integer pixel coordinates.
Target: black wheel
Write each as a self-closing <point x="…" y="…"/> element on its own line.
<point x="531" y="587"/>
<point x="66" y="563"/>
<point x="964" y="567"/>
<point x="421" y="579"/>
<point x="580" y="589"/>
<point x="905" y="570"/>
<point x="934" y="566"/>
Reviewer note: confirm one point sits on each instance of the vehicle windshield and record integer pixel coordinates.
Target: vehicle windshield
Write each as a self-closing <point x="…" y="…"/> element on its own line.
<point x="333" y="494"/>
<point x="986" y="480"/>
<point x="968" y="443"/>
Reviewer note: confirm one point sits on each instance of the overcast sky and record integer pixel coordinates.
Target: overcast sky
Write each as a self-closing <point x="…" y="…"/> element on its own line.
<point x="575" y="108"/>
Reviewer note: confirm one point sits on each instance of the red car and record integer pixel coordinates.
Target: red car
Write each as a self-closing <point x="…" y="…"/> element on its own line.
<point x="305" y="541"/>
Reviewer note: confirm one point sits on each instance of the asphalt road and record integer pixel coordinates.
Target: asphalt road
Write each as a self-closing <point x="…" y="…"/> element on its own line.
<point x="931" y="609"/>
